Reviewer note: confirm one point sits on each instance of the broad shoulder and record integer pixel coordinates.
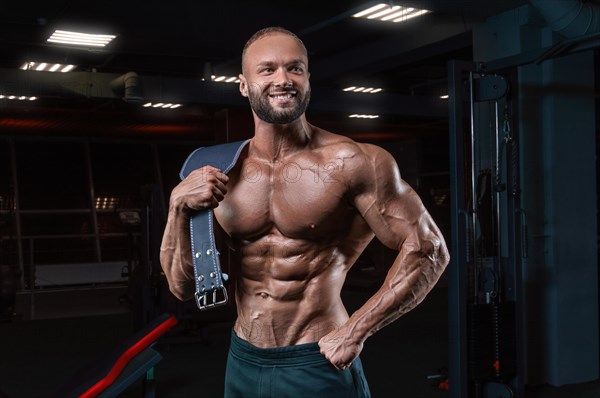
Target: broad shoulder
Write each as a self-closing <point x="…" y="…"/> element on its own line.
<point x="363" y="158"/>
<point x="327" y="141"/>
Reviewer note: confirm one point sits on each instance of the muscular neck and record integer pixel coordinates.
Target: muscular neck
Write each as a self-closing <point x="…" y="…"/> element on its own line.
<point x="275" y="141"/>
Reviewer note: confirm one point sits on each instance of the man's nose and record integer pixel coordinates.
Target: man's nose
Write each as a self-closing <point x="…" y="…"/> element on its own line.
<point x="282" y="78"/>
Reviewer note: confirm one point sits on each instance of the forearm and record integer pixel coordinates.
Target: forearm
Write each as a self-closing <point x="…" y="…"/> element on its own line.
<point x="412" y="276"/>
<point x="175" y="255"/>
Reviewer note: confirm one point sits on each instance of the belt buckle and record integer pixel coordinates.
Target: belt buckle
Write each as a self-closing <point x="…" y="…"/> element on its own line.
<point x="202" y="299"/>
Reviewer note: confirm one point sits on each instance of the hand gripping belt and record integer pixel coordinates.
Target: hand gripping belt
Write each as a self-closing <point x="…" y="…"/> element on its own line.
<point x="209" y="279"/>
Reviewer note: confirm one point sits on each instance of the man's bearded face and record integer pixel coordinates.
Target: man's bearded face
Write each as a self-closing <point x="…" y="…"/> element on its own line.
<point x="278" y="104"/>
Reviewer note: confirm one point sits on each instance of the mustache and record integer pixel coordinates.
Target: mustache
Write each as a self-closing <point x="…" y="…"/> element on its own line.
<point x="273" y="87"/>
<point x="283" y="89"/>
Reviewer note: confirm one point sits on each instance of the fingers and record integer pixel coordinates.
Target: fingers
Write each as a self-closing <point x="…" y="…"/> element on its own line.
<point x="343" y="366"/>
<point x="222" y="177"/>
<point x="340" y="365"/>
<point x="331" y="356"/>
<point x="208" y="174"/>
<point x="203" y="188"/>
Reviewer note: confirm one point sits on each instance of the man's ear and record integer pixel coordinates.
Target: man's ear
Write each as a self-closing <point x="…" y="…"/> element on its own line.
<point x="243" y="85"/>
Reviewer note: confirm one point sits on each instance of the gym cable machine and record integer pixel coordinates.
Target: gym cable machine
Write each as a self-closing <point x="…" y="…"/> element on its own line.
<point x="488" y="231"/>
<point x="489" y="227"/>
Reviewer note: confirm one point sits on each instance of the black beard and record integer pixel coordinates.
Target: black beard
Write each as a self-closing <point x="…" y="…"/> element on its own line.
<point x="261" y="105"/>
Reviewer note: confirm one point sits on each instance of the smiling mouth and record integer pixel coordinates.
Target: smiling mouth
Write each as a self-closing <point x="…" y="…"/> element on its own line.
<point x="283" y="96"/>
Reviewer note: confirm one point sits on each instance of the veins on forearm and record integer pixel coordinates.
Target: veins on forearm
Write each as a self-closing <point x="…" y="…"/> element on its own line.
<point x="406" y="285"/>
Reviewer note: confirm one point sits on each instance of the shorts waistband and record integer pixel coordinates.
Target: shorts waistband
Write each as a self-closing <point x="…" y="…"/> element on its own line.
<point x="292" y="355"/>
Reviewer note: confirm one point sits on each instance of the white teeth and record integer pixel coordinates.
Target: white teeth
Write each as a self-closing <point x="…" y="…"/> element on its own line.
<point x="285" y="96"/>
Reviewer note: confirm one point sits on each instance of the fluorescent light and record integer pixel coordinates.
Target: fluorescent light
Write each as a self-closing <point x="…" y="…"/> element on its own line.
<point x="369" y="10"/>
<point x="44" y="66"/>
<point x="398" y="14"/>
<point x="384" y="12"/>
<point x="68" y="68"/>
<point x="104" y="203"/>
<point x="362" y="89"/>
<point x="444" y="96"/>
<point x="388" y="13"/>
<point x="363" y="116"/>
<point x="80" y="39"/>
<point x="225" y="79"/>
<point x="18" y="97"/>
<point x="161" y="105"/>
<point x="409" y="16"/>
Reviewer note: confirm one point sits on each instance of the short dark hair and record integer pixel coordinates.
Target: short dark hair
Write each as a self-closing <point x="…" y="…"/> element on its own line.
<point x="266" y="32"/>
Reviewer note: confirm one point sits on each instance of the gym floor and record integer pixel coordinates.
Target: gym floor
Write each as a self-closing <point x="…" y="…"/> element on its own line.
<point x="38" y="356"/>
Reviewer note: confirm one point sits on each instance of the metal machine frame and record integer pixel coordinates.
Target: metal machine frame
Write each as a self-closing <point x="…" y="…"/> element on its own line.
<point x="486" y="330"/>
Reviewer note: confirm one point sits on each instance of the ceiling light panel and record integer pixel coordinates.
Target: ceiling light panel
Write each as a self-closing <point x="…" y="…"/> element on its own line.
<point x="80" y="38"/>
<point x="225" y="79"/>
<point x="161" y="105"/>
<point x="17" y="97"/>
<point x="363" y="89"/>
<point x="47" y="67"/>
<point x="390" y="13"/>
<point x="363" y="116"/>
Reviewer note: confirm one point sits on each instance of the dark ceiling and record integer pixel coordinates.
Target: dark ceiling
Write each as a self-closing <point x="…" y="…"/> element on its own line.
<point x="171" y="45"/>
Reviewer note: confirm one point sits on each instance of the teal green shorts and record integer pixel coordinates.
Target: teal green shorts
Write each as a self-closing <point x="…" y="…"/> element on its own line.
<point x="289" y="372"/>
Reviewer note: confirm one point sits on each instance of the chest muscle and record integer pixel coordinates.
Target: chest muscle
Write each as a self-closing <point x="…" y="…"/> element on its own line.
<point x="300" y="199"/>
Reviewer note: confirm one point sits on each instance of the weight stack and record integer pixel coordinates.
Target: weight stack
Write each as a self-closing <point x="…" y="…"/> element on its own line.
<point x="492" y="341"/>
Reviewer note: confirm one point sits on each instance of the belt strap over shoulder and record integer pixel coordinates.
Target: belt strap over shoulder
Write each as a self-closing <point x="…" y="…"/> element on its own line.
<point x="209" y="280"/>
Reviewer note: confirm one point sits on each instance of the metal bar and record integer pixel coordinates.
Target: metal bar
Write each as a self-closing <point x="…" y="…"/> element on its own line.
<point x="497" y="264"/>
<point x="92" y="196"/>
<point x="516" y="245"/>
<point x="56" y="211"/>
<point x="13" y="159"/>
<point x="31" y="281"/>
<point x="73" y="236"/>
<point x="457" y="275"/>
<point x="473" y="182"/>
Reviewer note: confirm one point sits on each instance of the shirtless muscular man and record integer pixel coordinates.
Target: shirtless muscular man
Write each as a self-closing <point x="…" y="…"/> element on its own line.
<point x="299" y="208"/>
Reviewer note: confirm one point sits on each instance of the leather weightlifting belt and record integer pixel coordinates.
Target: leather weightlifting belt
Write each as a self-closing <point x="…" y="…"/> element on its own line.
<point x="209" y="279"/>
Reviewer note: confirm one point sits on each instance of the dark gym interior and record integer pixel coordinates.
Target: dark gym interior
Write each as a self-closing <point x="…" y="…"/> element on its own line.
<point x="490" y="109"/>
